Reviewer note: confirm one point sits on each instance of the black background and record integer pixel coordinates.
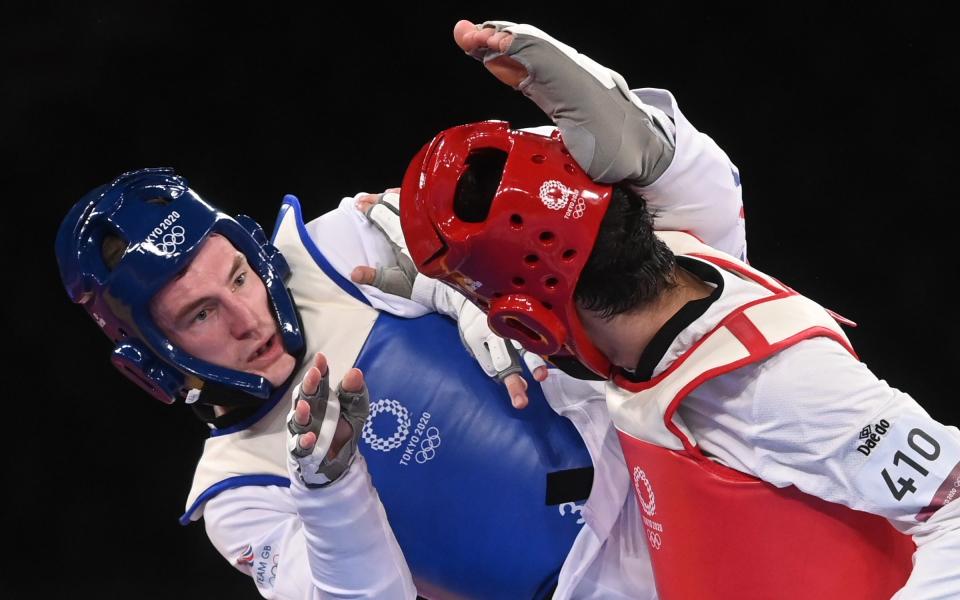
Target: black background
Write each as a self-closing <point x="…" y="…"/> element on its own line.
<point x="842" y="124"/>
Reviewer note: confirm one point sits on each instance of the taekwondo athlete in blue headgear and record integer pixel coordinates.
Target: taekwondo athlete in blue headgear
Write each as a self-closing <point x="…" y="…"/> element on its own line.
<point x="163" y="224"/>
<point x="480" y="498"/>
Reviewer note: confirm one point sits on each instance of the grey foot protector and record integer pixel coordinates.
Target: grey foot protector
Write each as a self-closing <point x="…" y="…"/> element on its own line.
<point x="608" y="131"/>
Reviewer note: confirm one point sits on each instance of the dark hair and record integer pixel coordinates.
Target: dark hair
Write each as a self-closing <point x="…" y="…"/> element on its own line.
<point x="478" y="184"/>
<point x="629" y="266"/>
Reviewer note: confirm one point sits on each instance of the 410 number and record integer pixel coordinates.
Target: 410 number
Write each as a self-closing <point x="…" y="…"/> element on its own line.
<point x="927" y="447"/>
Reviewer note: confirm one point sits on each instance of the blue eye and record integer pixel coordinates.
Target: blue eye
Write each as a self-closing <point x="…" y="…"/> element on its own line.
<point x="201" y="316"/>
<point x="240" y="280"/>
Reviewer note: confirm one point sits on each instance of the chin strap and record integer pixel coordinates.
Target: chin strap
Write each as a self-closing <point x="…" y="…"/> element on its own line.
<point x="240" y="406"/>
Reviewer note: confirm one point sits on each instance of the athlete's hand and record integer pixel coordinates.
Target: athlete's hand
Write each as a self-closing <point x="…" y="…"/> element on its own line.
<point x="497" y="357"/>
<point x="611" y="134"/>
<point x="324" y="430"/>
<point x="366" y="201"/>
<point x="382" y="210"/>
<point x="535" y="363"/>
<point x="478" y="42"/>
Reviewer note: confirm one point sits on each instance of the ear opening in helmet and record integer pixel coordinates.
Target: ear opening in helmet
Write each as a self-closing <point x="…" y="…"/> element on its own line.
<point x="523" y="332"/>
<point x="113" y="247"/>
<point x="111" y="250"/>
<point x="478" y="184"/>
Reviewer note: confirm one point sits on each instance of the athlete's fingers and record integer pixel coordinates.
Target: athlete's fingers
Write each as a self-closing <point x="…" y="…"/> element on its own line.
<point x="311" y="381"/>
<point x="500" y="41"/>
<point x="307" y="441"/>
<point x="301" y="413"/>
<point x="540" y="373"/>
<point x="353" y="380"/>
<point x="465" y="35"/>
<point x="517" y="388"/>
<point x="365" y="201"/>
<point x="363" y="274"/>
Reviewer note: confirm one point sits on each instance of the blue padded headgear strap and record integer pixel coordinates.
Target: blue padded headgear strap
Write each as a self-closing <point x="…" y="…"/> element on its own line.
<point x="163" y="223"/>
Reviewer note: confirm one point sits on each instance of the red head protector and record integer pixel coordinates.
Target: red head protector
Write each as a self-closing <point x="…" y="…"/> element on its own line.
<point x="509" y="219"/>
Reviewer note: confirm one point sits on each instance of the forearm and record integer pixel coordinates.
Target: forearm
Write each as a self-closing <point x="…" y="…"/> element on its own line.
<point x="699" y="192"/>
<point x="347" y="533"/>
<point x="936" y="566"/>
<point x="259" y="530"/>
<point x="637" y="137"/>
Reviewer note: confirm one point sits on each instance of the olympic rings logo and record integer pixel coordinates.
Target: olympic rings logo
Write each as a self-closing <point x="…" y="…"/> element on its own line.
<point x="429" y="445"/>
<point x="168" y="244"/>
<point x="401" y="432"/>
<point x="648" y="502"/>
<point x="655" y="540"/>
<point x="578" y="209"/>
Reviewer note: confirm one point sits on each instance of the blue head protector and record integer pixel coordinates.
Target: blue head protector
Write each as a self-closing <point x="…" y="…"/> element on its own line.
<point x="162" y="223"/>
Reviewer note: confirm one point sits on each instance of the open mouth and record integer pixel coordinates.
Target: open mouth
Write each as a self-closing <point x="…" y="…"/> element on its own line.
<point x="265" y="349"/>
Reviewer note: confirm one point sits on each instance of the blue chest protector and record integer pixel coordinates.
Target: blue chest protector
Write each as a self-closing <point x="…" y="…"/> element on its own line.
<point x="472" y="487"/>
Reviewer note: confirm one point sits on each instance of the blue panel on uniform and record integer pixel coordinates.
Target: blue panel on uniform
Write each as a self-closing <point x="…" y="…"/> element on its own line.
<point x="463" y="474"/>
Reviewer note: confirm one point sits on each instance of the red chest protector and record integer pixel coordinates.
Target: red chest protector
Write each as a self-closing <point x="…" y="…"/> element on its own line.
<point x="716" y="533"/>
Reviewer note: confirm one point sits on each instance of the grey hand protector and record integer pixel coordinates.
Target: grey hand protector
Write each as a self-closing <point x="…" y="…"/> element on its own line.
<point x="608" y="131"/>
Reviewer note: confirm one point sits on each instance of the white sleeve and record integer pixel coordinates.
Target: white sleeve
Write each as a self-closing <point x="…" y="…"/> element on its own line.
<point x="814" y="417"/>
<point x="700" y="190"/>
<point x="348" y="240"/>
<point x="307" y="544"/>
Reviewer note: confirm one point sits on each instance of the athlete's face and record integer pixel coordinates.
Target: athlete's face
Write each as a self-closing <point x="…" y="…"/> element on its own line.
<point x="218" y="311"/>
